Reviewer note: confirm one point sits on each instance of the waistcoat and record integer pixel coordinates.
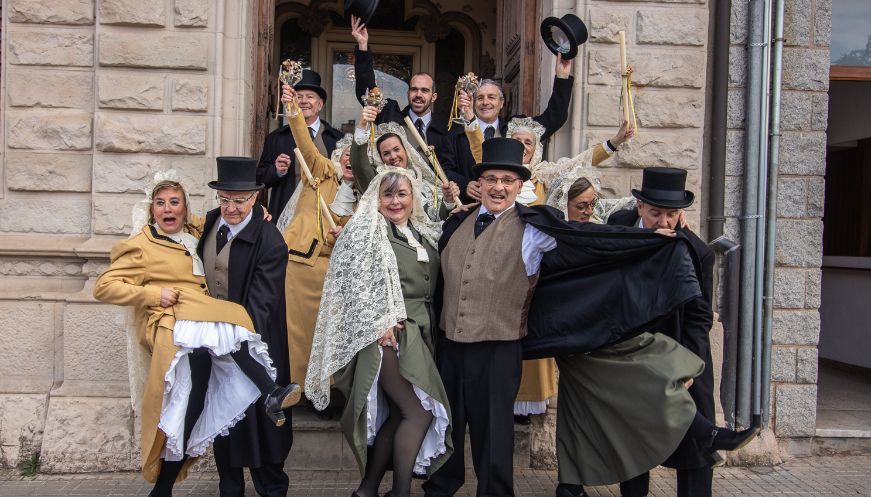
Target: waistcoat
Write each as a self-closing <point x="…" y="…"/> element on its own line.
<point x="217" y="266"/>
<point x="487" y="292"/>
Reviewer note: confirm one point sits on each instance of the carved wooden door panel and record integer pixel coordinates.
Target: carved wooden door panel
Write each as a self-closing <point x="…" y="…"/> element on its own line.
<point x="519" y="33"/>
<point x="264" y="73"/>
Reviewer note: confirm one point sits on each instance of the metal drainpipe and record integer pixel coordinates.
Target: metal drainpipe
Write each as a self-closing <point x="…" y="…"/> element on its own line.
<point x="719" y="109"/>
<point x="750" y="215"/>
<point x="771" y="227"/>
<point x="761" y="202"/>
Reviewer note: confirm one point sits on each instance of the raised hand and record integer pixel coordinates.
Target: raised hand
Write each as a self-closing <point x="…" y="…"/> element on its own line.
<point x="563" y="67"/>
<point x="367" y="116"/>
<point x="464" y="103"/>
<point x="360" y="33"/>
<point x="625" y="133"/>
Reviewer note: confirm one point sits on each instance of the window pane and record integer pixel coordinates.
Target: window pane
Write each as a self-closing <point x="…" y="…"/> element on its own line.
<point x="851" y="33"/>
<point x="392" y="71"/>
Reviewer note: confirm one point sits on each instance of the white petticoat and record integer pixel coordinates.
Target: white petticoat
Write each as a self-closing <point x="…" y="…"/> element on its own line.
<point x="229" y="392"/>
<point x="527" y="407"/>
<point x="377" y="412"/>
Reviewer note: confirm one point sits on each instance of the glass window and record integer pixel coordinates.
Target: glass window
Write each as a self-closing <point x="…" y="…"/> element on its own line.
<point x="392" y="71"/>
<point x="851" y="33"/>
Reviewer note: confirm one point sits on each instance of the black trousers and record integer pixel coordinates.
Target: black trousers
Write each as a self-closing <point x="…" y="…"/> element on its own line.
<point x="481" y="381"/>
<point x="690" y="483"/>
<point x="269" y="479"/>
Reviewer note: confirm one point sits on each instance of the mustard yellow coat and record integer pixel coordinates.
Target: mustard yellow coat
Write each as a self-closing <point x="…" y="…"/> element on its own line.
<point x="539" y="377"/>
<point x="309" y="247"/>
<point x="140" y="268"/>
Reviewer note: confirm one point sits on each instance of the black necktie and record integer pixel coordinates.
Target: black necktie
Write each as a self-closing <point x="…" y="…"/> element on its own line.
<point x="489" y="132"/>
<point x="482" y="222"/>
<point x="223" y="234"/>
<point x="418" y="123"/>
<point x="311" y="131"/>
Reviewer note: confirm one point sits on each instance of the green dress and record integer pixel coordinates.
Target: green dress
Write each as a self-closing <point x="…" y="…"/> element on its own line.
<point x="416" y="364"/>
<point x="622" y="409"/>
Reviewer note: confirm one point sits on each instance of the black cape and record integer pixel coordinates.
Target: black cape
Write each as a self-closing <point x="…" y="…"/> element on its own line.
<point x="601" y="285"/>
<point x="689" y="324"/>
<point x="258" y="263"/>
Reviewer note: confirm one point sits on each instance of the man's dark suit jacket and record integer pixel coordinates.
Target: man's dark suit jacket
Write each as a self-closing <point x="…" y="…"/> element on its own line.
<point x="689" y="325"/>
<point x="436" y="133"/>
<point x="280" y="142"/>
<point x="257" y="267"/>
<point x="554" y="116"/>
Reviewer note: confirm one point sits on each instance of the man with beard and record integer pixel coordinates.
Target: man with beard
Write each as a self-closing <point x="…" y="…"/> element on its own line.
<point x="277" y="166"/>
<point x="421" y="96"/>
<point x="245" y="260"/>
<point x="660" y="203"/>
<point x="488" y="102"/>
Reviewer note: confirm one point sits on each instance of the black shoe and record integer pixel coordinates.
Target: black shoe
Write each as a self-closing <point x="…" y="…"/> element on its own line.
<point x="726" y="439"/>
<point x="522" y="420"/>
<point x="566" y="490"/>
<point x="281" y="398"/>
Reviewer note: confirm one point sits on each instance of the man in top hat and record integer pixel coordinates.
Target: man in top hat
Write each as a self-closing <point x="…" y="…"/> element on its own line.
<point x="245" y="259"/>
<point x="277" y="166"/>
<point x="421" y="96"/>
<point x="487" y="103"/>
<point x="661" y="202"/>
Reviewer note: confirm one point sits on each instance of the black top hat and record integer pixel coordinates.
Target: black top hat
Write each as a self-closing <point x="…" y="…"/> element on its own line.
<point x="563" y="36"/>
<point x="502" y="153"/>
<point x="311" y="81"/>
<point x="236" y="174"/>
<point x="361" y="8"/>
<point x="664" y="187"/>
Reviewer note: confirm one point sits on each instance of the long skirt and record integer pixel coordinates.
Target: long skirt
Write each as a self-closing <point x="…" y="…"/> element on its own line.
<point x="303" y="286"/>
<point x="538" y="383"/>
<point x="367" y="409"/>
<point x="623" y="409"/>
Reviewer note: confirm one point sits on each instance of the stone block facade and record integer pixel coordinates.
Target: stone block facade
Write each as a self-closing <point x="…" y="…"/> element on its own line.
<point x="150" y="85"/>
<point x="97" y="96"/>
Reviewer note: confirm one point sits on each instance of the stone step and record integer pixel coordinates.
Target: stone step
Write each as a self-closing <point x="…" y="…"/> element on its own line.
<point x="319" y="444"/>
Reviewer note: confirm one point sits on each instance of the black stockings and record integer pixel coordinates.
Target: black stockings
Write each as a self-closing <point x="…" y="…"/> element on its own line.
<point x="253" y="370"/>
<point x="201" y="369"/>
<point x="399" y="439"/>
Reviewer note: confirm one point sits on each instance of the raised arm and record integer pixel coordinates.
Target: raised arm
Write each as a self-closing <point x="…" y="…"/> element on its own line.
<point x="320" y="166"/>
<point x="557" y="111"/>
<point x="364" y="67"/>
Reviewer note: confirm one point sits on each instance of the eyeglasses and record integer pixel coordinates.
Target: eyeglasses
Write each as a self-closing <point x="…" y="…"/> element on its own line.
<point x="585" y="206"/>
<point x="506" y="180"/>
<point x="238" y="202"/>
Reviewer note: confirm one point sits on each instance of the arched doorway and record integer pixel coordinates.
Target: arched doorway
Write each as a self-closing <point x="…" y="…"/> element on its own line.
<point x="405" y="36"/>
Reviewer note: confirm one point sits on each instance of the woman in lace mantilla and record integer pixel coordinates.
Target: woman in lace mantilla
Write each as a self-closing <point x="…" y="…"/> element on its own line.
<point x="375" y="332"/>
<point x="195" y="361"/>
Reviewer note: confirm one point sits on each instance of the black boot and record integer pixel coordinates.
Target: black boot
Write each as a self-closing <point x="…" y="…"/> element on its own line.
<point x="726" y="439"/>
<point x="281" y="398"/>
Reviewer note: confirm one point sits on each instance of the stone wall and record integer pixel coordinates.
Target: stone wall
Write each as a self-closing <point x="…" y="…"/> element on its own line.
<point x="807" y="30"/>
<point x="667" y="45"/>
<point x="97" y="97"/>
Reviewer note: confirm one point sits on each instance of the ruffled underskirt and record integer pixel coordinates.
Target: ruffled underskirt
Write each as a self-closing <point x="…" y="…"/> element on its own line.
<point x="527" y="407"/>
<point x="433" y="446"/>
<point x="229" y="392"/>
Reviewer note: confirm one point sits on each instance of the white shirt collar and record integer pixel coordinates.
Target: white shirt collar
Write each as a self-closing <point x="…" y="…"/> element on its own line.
<point x="316" y="126"/>
<point x="426" y="118"/>
<point x="640" y="222"/>
<point x="236" y="228"/>
<point x="483" y="210"/>
<point x="484" y="125"/>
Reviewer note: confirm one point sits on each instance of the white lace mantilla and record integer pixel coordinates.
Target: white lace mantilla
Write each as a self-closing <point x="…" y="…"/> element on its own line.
<point x="362" y="296"/>
<point x="229" y="392"/>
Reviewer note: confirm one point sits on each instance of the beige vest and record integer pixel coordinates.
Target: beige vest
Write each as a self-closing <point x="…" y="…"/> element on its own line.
<point x="217" y="266"/>
<point x="319" y="141"/>
<point x="487" y="292"/>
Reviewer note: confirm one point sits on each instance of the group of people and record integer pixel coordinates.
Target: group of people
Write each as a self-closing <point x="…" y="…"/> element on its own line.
<point x="414" y="314"/>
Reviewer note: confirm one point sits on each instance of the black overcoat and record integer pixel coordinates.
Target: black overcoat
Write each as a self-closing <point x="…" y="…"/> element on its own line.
<point x="690" y="324"/>
<point x="600" y="285"/>
<point x="257" y="267"/>
<point x="553" y="118"/>
<point x="280" y="141"/>
<point x="436" y="133"/>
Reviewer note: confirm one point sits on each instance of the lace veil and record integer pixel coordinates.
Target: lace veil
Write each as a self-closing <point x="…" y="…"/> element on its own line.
<point x="290" y="207"/>
<point x="529" y="125"/>
<point x="567" y="171"/>
<point x="362" y="296"/>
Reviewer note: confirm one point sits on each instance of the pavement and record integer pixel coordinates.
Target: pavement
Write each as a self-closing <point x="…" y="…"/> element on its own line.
<point x="829" y="476"/>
